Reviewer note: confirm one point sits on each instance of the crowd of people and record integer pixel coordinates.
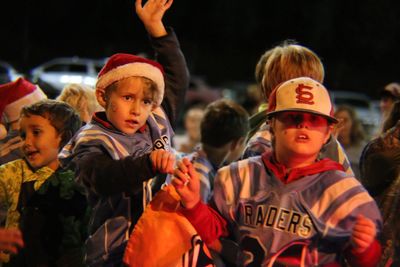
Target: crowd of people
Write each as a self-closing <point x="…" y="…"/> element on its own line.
<point x="96" y="177"/>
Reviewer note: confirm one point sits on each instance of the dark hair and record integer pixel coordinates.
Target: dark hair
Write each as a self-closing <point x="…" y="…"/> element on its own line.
<point x="393" y="118"/>
<point x="60" y="115"/>
<point x="223" y="121"/>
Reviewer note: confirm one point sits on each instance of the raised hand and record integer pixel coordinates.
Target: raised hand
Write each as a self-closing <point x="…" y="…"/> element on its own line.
<point x="187" y="183"/>
<point x="151" y="14"/>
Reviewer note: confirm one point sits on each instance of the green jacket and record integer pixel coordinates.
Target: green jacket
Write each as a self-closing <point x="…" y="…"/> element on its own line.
<point x="51" y="210"/>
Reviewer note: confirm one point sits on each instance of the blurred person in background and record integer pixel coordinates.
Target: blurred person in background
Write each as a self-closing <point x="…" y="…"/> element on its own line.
<point x="392" y="118"/>
<point x="380" y="174"/>
<point x="351" y="135"/>
<point x="13" y="97"/>
<point x="223" y="131"/>
<point x="253" y="99"/>
<point x="82" y="98"/>
<point x="389" y="94"/>
<point x="192" y="134"/>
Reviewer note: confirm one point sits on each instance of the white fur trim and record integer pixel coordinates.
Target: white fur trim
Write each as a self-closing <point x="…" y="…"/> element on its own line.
<point x="139" y="69"/>
<point x="12" y="111"/>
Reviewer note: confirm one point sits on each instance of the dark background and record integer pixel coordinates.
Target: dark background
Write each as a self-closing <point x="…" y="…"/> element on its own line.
<point x="358" y="41"/>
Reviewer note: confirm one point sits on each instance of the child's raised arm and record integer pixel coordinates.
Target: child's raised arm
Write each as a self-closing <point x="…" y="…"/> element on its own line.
<point x="167" y="53"/>
<point x="151" y="15"/>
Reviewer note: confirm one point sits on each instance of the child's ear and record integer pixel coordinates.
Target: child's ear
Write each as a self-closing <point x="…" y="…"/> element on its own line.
<point x="101" y="98"/>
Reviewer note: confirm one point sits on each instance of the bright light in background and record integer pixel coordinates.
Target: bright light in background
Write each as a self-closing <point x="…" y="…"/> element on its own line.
<point x="77" y="79"/>
<point x="71" y="79"/>
<point x="89" y="81"/>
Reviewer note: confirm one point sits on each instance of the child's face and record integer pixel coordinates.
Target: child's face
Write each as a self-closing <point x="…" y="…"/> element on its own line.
<point x="192" y="124"/>
<point x="41" y="142"/>
<point x="129" y="105"/>
<point x="300" y="134"/>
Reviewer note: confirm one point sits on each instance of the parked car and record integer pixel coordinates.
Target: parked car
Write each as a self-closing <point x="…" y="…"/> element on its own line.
<point x="8" y="73"/>
<point x="366" y="112"/>
<point x="53" y="75"/>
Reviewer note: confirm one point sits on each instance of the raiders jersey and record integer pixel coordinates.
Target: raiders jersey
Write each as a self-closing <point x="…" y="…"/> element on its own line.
<point x="267" y="216"/>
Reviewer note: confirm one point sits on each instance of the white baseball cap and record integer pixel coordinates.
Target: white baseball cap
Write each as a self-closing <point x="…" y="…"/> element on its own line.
<point x="301" y="94"/>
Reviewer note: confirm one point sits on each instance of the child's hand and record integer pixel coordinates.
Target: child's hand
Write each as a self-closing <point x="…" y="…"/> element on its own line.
<point x="162" y="161"/>
<point x="364" y="233"/>
<point x="187" y="184"/>
<point x="10" y="240"/>
<point x="151" y="15"/>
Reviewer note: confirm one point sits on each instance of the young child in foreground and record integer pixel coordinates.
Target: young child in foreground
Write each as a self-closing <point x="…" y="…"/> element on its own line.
<point x="118" y="152"/>
<point x="43" y="199"/>
<point x="277" y="65"/>
<point x="286" y="206"/>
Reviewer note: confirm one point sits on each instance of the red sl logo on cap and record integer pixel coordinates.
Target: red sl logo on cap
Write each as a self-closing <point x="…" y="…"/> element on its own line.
<point x="303" y="96"/>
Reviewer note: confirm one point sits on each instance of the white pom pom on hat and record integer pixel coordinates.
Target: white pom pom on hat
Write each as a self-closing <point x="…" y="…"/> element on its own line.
<point x="301" y="94"/>
<point x="120" y="66"/>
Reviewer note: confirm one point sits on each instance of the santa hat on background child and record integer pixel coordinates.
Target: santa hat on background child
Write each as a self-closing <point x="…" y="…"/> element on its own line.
<point x="15" y="95"/>
<point x="121" y="66"/>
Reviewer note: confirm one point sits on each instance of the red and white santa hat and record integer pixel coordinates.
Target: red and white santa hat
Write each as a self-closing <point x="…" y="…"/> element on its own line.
<point x="301" y="94"/>
<point x="121" y="66"/>
<point x="17" y="94"/>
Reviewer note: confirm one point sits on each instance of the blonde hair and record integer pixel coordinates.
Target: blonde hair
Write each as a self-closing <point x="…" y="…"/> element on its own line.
<point x="81" y="97"/>
<point x="285" y="62"/>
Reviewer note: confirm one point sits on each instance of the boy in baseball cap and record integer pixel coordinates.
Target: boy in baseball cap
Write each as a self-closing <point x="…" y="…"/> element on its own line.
<point x="287" y="206"/>
<point x="283" y="62"/>
<point x="116" y="154"/>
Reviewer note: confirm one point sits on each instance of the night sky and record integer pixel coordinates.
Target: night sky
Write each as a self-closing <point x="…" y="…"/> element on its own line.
<point x="358" y="41"/>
